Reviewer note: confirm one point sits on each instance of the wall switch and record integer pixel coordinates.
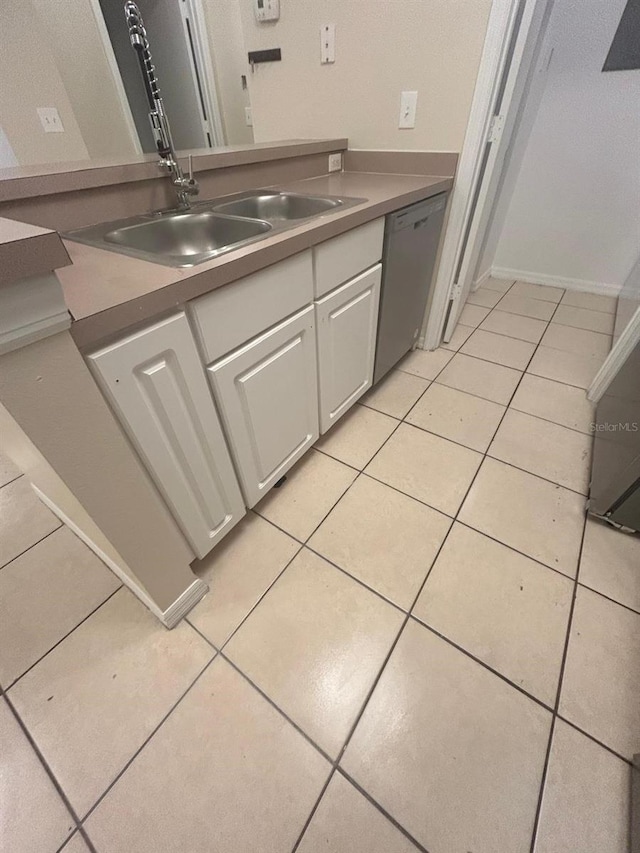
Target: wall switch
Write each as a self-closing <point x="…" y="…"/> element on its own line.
<point x="408" y="104"/>
<point x="327" y="44"/>
<point x="248" y="118"/>
<point x="50" y="120"/>
<point x="335" y="162"/>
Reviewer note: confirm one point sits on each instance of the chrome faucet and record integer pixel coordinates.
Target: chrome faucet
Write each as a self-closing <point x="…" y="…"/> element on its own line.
<point x="185" y="186"/>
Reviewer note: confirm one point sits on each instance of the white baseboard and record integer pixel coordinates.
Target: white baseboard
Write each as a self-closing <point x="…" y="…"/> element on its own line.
<point x="481" y="279"/>
<point x="623" y="348"/>
<point x="585" y="285"/>
<point x="176" y="611"/>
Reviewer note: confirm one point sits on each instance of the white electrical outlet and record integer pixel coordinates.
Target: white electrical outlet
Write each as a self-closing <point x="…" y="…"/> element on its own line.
<point x="327" y="44"/>
<point x="248" y="118"/>
<point x="408" y="105"/>
<point x="50" y="119"/>
<point x="335" y="162"/>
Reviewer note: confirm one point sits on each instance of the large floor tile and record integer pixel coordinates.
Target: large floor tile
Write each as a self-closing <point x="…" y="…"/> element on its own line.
<point x="76" y="844"/>
<point x="426" y="467"/>
<point x="33" y="817"/>
<point x="571" y="368"/>
<point x="485" y="297"/>
<point x="225" y="772"/>
<point x="583" y="318"/>
<point x="546" y="292"/>
<point x="514" y="326"/>
<point x="580" y="341"/>
<point x="461" y="417"/>
<point x="491" y="381"/>
<point x="460" y="335"/>
<point x="585" y="804"/>
<point x="591" y="301"/>
<point x="610" y="562"/>
<point x="93" y="700"/>
<point x="383" y="538"/>
<point x="8" y="471"/>
<point x="312" y="487"/>
<point x="347" y="821"/>
<point x="555" y="401"/>
<point x="314" y="645"/>
<point x="358" y="436"/>
<point x="500" y="285"/>
<point x="502" y="607"/>
<point x="239" y="571"/>
<point x="24" y="519"/>
<point x="527" y="306"/>
<point x="449" y="750"/>
<point x="534" y="516"/>
<point x="396" y="393"/>
<point x="600" y="683"/>
<point x="425" y="363"/>
<point x="44" y="594"/>
<point x="549" y="450"/>
<point x="499" y="348"/>
<point x="472" y="315"/>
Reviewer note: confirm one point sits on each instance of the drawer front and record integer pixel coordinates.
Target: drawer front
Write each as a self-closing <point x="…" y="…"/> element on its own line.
<point x="156" y="383"/>
<point x="267" y="394"/>
<point x="346" y="322"/>
<point x="340" y="258"/>
<point x="233" y="314"/>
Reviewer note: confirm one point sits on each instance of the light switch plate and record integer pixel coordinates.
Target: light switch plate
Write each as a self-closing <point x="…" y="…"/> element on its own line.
<point x="408" y="105"/>
<point x="50" y="119"/>
<point x="327" y="44"/>
<point x="335" y="162"/>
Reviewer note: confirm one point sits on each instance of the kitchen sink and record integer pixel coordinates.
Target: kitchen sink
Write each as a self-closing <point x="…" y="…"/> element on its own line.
<point x="279" y="206"/>
<point x="188" y="238"/>
<point x="184" y="238"/>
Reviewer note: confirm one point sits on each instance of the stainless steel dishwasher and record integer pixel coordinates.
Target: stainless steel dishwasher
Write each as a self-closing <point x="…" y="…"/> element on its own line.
<point x="411" y="238"/>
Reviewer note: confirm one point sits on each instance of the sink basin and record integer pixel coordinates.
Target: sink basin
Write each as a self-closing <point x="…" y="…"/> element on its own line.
<point x="278" y="206"/>
<point x="185" y="239"/>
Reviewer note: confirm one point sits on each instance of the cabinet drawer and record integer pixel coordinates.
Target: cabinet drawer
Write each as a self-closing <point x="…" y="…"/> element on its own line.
<point x="346" y="322"/>
<point x="340" y="258"/>
<point x="231" y="315"/>
<point x="267" y="395"/>
<point x="157" y="386"/>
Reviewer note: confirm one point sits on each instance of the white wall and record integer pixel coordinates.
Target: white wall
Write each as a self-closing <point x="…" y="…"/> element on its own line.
<point x="382" y="47"/>
<point x="571" y="211"/>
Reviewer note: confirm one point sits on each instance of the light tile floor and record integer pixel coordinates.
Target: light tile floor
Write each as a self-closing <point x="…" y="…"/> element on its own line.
<point x="416" y="643"/>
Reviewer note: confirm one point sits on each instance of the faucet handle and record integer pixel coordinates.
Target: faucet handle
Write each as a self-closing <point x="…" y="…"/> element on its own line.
<point x="191" y="168"/>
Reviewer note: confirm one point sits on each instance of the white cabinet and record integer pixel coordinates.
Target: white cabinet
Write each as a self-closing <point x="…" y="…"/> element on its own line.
<point x="340" y="258"/>
<point x="267" y="396"/>
<point x="346" y="322"/>
<point x="158" y="387"/>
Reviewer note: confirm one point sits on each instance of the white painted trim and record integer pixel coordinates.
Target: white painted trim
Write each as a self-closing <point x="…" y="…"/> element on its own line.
<point x="606" y="288"/>
<point x="31" y="308"/>
<point x="487" y="274"/>
<point x="169" y="617"/>
<point x="626" y="343"/>
<point x="29" y="333"/>
<point x="207" y="70"/>
<point x="501" y="20"/>
<point x="115" y="74"/>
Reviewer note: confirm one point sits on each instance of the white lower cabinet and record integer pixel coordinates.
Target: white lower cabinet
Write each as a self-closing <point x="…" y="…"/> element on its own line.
<point x="347" y="321"/>
<point x="157" y="385"/>
<point x="267" y="395"/>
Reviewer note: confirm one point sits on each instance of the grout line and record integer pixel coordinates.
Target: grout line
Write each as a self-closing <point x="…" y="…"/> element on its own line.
<point x="13" y="480"/>
<point x="62" y="639"/>
<point x="595" y="740"/>
<point x="42" y="538"/>
<point x="608" y="597"/>
<point x="133" y="757"/>
<point x="72" y="812"/>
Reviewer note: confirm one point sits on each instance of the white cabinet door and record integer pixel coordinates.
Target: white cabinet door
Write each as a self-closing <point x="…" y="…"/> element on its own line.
<point x="157" y="385"/>
<point x="267" y="394"/>
<point x="347" y="320"/>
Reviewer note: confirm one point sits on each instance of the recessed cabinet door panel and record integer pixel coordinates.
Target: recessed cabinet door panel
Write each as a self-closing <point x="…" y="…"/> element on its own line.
<point x="267" y="395"/>
<point x="347" y="320"/>
<point x="157" y="386"/>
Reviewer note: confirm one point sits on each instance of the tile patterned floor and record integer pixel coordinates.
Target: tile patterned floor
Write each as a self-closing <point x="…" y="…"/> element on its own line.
<point x="415" y="644"/>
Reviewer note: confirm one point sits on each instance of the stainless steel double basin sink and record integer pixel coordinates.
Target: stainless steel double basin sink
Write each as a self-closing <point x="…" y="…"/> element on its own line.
<point x="184" y="238"/>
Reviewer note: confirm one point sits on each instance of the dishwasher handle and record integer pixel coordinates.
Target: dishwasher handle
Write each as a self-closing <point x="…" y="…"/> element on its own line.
<point x="418" y="214"/>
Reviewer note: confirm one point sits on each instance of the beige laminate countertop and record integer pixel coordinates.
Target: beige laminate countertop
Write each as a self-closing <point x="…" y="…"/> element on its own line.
<point x="107" y="292"/>
<point x="28" y="250"/>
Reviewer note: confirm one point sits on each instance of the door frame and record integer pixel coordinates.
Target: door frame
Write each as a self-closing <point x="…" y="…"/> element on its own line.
<point x="506" y="61"/>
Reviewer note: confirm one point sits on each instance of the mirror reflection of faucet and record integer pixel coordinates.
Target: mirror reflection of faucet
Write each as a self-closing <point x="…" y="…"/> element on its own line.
<point x="185" y="186"/>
